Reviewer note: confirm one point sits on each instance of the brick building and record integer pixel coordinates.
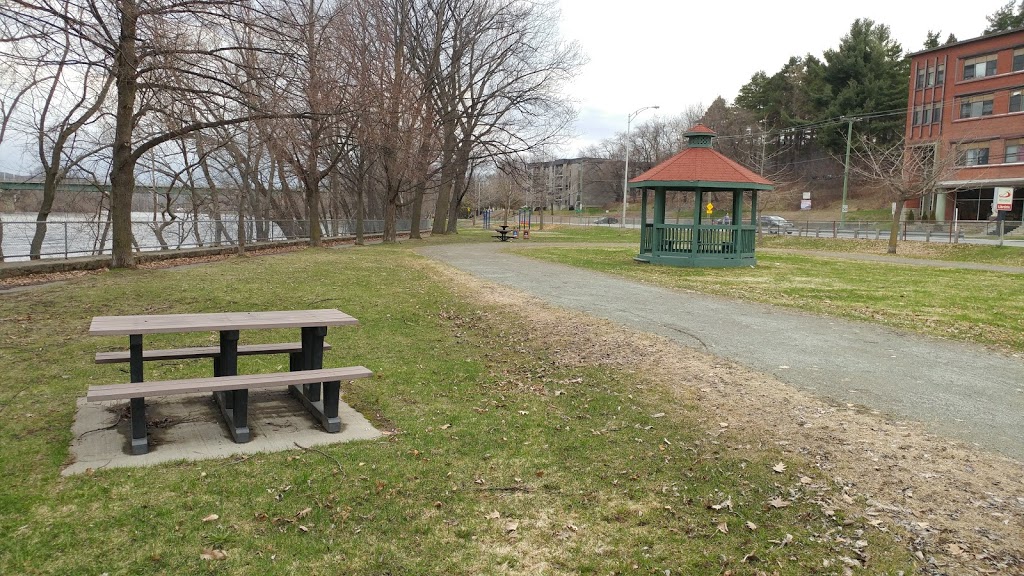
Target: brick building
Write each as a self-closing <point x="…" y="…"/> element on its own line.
<point x="967" y="99"/>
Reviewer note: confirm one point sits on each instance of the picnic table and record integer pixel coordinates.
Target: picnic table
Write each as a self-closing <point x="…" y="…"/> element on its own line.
<point x="504" y="233"/>
<point x="229" y="389"/>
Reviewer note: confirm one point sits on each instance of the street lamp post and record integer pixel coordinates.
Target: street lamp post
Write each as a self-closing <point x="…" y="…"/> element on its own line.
<point x="625" y="176"/>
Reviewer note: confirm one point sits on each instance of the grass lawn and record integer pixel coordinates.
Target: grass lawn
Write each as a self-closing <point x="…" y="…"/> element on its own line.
<point x="980" y="253"/>
<point x="966" y="305"/>
<point x="501" y="460"/>
<point x="1001" y="255"/>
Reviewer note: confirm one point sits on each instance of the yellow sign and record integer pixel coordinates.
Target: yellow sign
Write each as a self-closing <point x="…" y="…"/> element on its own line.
<point x="709" y="208"/>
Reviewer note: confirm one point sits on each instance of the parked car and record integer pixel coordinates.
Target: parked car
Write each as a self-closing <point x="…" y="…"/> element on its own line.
<point x="776" y="225"/>
<point x="607" y="220"/>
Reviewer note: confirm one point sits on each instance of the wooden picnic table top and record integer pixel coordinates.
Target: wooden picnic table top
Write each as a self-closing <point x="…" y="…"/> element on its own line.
<point x="167" y="323"/>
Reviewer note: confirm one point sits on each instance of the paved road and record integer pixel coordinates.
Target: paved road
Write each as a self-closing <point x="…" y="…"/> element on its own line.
<point x="959" y="390"/>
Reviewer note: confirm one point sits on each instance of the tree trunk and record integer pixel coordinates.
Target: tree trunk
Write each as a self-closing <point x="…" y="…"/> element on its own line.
<point x="240" y="232"/>
<point x="458" y="188"/>
<point x="894" y="230"/>
<point x="390" y="235"/>
<point x="417" y="211"/>
<point x="49" y="191"/>
<point x="122" y="174"/>
<point x="312" y="182"/>
<point x="360" y="211"/>
<point x="444" y="191"/>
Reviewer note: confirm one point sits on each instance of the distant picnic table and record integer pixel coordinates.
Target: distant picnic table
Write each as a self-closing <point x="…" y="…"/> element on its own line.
<point x="504" y="233"/>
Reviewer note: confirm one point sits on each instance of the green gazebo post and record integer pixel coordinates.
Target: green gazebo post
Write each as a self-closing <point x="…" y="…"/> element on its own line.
<point x="699" y="168"/>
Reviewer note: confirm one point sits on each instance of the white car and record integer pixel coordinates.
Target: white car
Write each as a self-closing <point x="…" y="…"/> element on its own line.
<point x="776" y="225"/>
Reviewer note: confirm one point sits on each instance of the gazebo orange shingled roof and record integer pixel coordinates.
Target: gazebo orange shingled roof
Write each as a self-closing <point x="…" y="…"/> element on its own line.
<point x="699" y="169"/>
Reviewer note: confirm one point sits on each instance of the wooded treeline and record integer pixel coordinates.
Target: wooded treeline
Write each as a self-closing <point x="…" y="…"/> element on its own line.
<point x="288" y="111"/>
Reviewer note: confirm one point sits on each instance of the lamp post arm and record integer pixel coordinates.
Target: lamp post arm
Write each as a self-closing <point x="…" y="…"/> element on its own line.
<point x="625" y="175"/>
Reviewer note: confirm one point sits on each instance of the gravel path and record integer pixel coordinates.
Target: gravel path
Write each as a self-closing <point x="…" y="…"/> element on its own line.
<point x="959" y="390"/>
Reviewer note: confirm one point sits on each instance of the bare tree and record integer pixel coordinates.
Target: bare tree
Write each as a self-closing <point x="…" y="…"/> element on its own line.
<point x="58" y="122"/>
<point x="906" y="172"/>
<point x="170" y="48"/>
<point x="503" y="97"/>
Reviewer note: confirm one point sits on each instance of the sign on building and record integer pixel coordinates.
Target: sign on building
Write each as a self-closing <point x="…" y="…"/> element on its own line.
<point x="1004" y="198"/>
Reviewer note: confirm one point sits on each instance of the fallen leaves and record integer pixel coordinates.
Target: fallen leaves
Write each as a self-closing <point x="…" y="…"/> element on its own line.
<point x="211" y="518"/>
<point x="725" y="504"/>
<point x="213" y="554"/>
<point x="779" y="468"/>
<point x="778" y="502"/>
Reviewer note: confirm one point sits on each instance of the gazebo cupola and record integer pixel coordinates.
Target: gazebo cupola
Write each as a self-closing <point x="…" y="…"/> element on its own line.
<point x="700" y="169"/>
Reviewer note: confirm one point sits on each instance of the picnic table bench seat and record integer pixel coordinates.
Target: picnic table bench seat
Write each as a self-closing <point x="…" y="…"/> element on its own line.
<point x="233" y="406"/>
<point x="191" y="352"/>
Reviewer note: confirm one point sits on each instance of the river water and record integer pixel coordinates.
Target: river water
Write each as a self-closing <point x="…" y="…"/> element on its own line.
<point x="70" y="235"/>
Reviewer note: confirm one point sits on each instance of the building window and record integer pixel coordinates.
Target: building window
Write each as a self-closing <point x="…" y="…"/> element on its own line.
<point x="975" y="106"/>
<point x="1016" y="101"/>
<point x="974" y="155"/>
<point x="937" y="114"/>
<point x="940" y="74"/>
<point x="1018" y="59"/>
<point x="920" y="79"/>
<point x="1014" y="151"/>
<point x="980" y="67"/>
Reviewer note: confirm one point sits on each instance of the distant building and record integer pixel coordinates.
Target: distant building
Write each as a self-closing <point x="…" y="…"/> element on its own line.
<point x="578" y="183"/>
<point x="574" y="183"/>
<point x="967" y="99"/>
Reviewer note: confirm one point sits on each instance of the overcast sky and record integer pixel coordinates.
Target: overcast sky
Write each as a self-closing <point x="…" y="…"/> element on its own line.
<point x="679" y="53"/>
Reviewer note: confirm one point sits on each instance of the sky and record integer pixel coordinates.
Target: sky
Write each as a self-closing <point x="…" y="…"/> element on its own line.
<point x="676" y="54"/>
<point x="681" y="53"/>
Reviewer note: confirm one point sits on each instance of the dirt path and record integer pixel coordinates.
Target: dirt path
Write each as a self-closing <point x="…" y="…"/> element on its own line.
<point x="961" y="507"/>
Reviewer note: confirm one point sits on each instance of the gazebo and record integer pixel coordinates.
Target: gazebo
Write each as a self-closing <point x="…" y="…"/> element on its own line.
<point x="699" y="169"/>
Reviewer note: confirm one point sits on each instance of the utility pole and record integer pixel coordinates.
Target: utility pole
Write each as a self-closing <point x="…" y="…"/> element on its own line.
<point x="846" y="170"/>
<point x="763" y="144"/>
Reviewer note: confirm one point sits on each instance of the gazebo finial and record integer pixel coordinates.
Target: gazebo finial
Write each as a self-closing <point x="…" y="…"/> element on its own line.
<point x="699" y="136"/>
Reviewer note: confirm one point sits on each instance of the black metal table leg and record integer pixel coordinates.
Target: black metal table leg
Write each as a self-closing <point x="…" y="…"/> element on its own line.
<point x="140" y="442"/>
<point x="234" y="404"/>
<point x="321" y="399"/>
<point x="313" y="357"/>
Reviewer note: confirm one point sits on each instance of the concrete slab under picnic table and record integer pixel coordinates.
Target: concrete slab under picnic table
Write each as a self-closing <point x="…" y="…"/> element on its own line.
<point x="190" y="427"/>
